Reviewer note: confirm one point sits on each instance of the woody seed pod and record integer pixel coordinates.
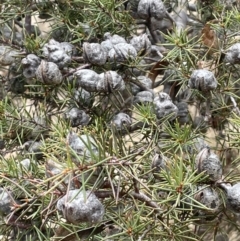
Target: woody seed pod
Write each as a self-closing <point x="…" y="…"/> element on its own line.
<point x="110" y="81"/>
<point x="83" y="97"/>
<point x="233" y="54"/>
<point x="208" y="162"/>
<point x="30" y="65"/>
<point x="144" y="97"/>
<point x="48" y="73"/>
<point x="77" y="117"/>
<point x="78" y="206"/>
<point x="145" y="81"/>
<point x="121" y="121"/>
<point x="82" y="145"/>
<point x="141" y="43"/>
<point x="6" y="201"/>
<point x="7" y="55"/>
<point x="151" y="8"/>
<point x="164" y="106"/>
<point x="203" y="80"/>
<point x="57" y="53"/>
<point x="209" y="197"/>
<point x="93" y="53"/>
<point x="121" y="52"/>
<point x="233" y="196"/>
<point x="159" y="162"/>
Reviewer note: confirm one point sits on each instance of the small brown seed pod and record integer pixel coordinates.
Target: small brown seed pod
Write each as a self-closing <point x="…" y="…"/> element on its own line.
<point x="208" y="162"/>
<point x="151" y="8"/>
<point x="164" y="107"/>
<point x="203" y="80"/>
<point x="233" y="54"/>
<point x="121" y="52"/>
<point x="94" y="54"/>
<point x="49" y="73"/>
<point x="78" y="206"/>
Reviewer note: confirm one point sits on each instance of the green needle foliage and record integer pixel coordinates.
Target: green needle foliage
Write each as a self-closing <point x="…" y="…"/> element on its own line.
<point x="95" y="125"/>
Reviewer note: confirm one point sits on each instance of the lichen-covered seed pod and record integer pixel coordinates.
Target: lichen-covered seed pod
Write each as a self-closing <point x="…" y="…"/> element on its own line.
<point x="78" y="206"/>
<point x="56" y="53"/>
<point x="203" y="80"/>
<point x="141" y="43"/>
<point x="115" y="39"/>
<point x="209" y="197"/>
<point x="30" y="65"/>
<point x="121" y="52"/>
<point x="145" y="81"/>
<point x="199" y="144"/>
<point x="209" y="163"/>
<point x="106" y="45"/>
<point x="49" y="73"/>
<point x="94" y="54"/>
<point x="183" y="115"/>
<point x="110" y="81"/>
<point x="121" y="121"/>
<point x="34" y="148"/>
<point x="7" y="55"/>
<point x="164" y="107"/>
<point x="159" y="163"/>
<point x="83" y="145"/>
<point x="83" y="97"/>
<point x="233" y="196"/>
<point x="151" y="8"/>
<point x="144" y="97"/>
<point x="6" y="201"/>
<point x="87" y="79"/>
<point x="232" y="55"/>
<point x="77" y="117"/>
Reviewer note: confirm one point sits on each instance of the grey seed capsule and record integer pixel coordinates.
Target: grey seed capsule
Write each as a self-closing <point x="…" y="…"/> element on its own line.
<point x="209" y="197"/>
<point x="208" y="162"/>
<point x="87" y="79"/>
<point x="30" y="65"/>
<point x="78" y="206"/>
<point x="203" y="80"/>
<point x="141" y="43"/>
<point x="233" y="54"/>
<point x="110" y="81"/>
<point x="82" y="145"/>
<point x="164" y="107"/>
<point x="151" y="8"/>
<point x="115" y="39"/>
<point x="183" y="115"/>
<point x="34" y="148"/>
<point x="57" y="53"/>
<point x="159" y="163"/>
<point x="83" y="97"/>
<point x="49" y="73"/>
<point x="93" y="53"/>
<point x="121" y="121"/>
<point x="6" y="201"/>
<point x="233" y="197"/>
<point x="121" y="52"/>
<point x="143" y="97"/>
<point x="145" y="81"/>
<point x="77" y="117"/>
<point x="7" y="55"/>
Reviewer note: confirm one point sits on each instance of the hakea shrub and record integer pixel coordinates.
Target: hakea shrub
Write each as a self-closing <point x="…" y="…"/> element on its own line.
<point x="96" y="138"/>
